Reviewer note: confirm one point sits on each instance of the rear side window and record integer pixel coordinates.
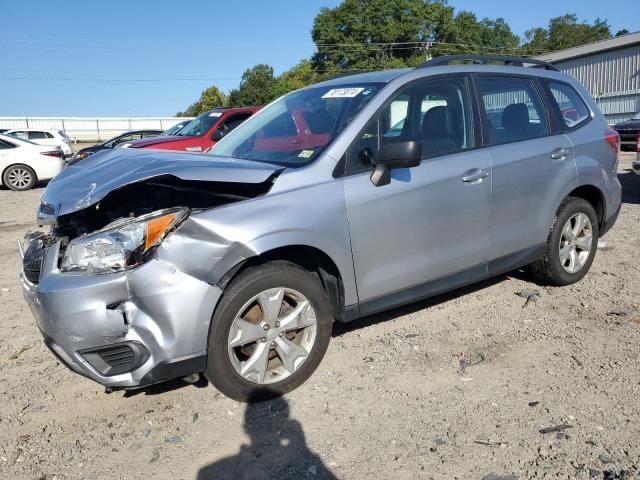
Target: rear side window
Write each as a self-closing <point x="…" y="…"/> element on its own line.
<point x="572" y="108"/>
<point x="4" y="145"/>
<point x="37" y="135"/>
<point x="514" y="111"/>
<point x="20" y="135"/>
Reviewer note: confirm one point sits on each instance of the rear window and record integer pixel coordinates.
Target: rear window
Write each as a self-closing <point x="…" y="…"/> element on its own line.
<point x="513" y="108"/>
<point x="37" y="135"/>
<point x="572" y="108"/>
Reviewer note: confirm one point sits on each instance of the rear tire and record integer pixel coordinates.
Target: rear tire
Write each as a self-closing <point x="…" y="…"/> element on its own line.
<point x="571" y="245"/>
<point x="235" y="365"/>
<point x="19" y="177"/>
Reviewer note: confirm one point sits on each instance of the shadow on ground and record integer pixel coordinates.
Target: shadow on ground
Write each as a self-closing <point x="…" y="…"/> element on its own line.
<point x="630" y="187"/>
<point x="277" y="449"/>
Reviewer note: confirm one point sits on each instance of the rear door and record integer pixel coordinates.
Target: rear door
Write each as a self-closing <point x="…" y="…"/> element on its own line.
<point x="532" y="165"/>
<point x="428" y="229"/>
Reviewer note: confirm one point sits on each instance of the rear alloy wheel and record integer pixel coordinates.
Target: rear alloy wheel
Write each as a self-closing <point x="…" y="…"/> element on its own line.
<point x="19" y="177"/>
<point x="269" y="332"/>
<point x="576" y="241"/>
<point x="571" y="245"/>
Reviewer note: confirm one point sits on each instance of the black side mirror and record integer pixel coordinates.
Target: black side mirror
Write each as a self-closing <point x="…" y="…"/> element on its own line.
<point x="396" y="153"/>
<point x="217" y="135"/>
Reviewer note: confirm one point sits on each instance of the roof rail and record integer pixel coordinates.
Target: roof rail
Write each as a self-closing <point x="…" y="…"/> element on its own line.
<point x="347" y="74"/>
<point x="506" y="59"/>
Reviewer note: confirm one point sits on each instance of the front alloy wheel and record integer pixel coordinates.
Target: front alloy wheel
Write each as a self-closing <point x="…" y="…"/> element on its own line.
<point x="272" y="335"/>
<point x="269" y="331"/>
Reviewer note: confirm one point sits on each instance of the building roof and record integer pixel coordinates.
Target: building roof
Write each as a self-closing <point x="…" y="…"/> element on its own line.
<point x="622" y="41"/>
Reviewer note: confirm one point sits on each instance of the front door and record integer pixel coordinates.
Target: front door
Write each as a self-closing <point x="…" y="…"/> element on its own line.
<point x="428" y="230"/>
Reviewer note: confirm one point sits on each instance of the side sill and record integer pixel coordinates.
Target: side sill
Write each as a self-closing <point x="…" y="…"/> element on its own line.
<point x="515" y="260"/>
<point x="425" y="290"/>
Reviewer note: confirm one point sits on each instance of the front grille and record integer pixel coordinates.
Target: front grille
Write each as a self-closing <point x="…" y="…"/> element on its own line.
<point x="32" y="261"/>
<point x="118" y="358"/>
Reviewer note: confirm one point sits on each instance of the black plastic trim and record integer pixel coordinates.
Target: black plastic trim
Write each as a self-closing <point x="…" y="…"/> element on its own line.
<point x="98" y="358"/>
<point x="173" y="369"/>
<point x="609" y="222"/>
<point x="424" y="290"/>
<point x="515" y="260"/>
<point x="508" y="60"/>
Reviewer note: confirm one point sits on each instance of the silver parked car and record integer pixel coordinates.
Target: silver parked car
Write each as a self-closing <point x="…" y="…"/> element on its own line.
<point x="336" y="201"/>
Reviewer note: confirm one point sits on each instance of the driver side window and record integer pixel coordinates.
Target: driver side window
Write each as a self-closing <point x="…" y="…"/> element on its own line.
<point x="436" y="113"/>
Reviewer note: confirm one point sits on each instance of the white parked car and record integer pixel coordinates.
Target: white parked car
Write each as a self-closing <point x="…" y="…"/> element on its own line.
<point x="44" y="137"/>
<point x="23" y="163"/>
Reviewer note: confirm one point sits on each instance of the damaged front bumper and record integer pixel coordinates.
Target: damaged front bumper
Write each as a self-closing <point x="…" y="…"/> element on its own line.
<point x="125" y="329"/>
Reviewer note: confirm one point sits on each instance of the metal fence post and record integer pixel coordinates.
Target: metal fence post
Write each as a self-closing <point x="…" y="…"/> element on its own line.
<point x="98" y="128"/>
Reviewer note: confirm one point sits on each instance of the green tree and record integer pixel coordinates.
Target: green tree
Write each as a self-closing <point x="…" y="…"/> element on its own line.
<point x="209" y="99"/>
<point x="257" y="87"/>
<point x="463" y="33"/>
<point x="296" y="77"/>
<point x="375" y="34"/>
<point x="565" y="32"/>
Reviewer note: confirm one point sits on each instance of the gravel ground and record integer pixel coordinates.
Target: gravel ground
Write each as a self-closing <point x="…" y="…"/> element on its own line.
<point x="389" y="401"/>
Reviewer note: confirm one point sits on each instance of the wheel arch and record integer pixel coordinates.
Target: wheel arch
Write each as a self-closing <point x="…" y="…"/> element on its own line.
<point x="594" y="196"/>
<point x="310" y="258"/>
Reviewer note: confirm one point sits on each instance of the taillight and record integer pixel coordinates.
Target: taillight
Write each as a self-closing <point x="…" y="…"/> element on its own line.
<point x="613" y="139"/>
<point x="53" y="153"/>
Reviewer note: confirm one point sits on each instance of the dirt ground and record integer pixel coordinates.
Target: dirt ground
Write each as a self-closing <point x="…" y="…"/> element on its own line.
<point x="388" y="402"/>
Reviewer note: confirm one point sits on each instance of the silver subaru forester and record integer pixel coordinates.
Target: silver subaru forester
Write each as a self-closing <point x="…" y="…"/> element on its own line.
<point x="336" y="201"/>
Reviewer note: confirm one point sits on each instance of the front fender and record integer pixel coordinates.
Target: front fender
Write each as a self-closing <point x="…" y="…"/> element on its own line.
<point x="211" y="243"/>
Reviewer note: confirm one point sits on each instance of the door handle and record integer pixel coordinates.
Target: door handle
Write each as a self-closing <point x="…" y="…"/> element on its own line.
<point x="559" y="154"/>
<point x="475" y="175"/>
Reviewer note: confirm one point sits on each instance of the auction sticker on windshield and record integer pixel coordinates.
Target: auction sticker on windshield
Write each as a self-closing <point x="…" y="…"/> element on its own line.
<point x="342" y="93"/>
<point x="215" y="114"/>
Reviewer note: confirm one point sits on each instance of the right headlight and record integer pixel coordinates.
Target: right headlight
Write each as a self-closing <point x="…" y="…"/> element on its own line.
<point x="122" y="244"/>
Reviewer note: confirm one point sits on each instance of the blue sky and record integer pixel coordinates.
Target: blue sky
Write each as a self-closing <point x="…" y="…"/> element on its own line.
<point x="211" y="42"/>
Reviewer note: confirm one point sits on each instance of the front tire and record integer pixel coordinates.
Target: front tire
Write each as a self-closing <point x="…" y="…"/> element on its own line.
<point x="19" y="177"/>
<point x="571" y="245"/>
<point x="269" y="332"/>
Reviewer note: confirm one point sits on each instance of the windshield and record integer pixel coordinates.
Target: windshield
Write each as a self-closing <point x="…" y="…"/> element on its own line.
<point x="175" y="129"/>
<point x="295" y="129"/>
<point x="200" y="125"/>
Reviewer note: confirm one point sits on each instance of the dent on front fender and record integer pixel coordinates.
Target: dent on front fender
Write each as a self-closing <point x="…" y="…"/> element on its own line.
<point x="202" y="253"/>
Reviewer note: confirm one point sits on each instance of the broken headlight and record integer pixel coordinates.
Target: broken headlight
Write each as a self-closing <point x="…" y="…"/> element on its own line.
<point x="122" y="244"/>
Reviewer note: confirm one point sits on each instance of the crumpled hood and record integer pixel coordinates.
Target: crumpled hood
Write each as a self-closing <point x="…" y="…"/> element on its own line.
<point x="88" y="181"/>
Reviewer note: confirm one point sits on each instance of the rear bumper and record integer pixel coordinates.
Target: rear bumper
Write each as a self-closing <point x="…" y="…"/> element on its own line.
<point x="161" y="314"/>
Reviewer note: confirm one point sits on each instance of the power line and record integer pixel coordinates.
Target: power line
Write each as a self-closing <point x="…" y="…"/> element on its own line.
<point x="118" y="80"/>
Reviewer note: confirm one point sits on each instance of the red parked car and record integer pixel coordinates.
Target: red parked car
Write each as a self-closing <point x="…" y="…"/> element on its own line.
<point x="202" y="133"/>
